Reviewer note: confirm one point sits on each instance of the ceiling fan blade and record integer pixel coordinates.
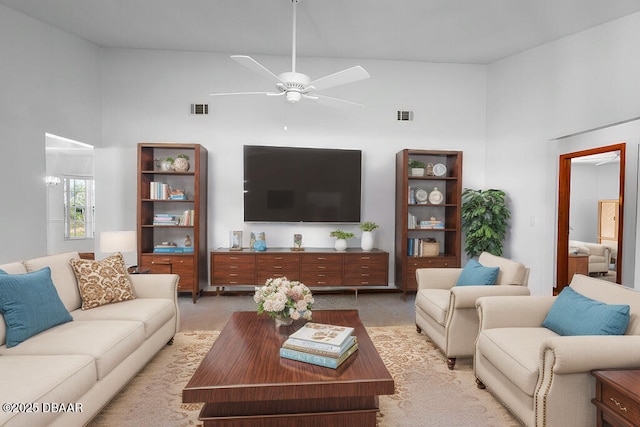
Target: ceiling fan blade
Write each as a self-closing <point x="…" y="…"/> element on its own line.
<point x="247" y="93"/>
<point x="328" y="100"/>
<point x="255" y="66"/>
<point x="349" y="75"/>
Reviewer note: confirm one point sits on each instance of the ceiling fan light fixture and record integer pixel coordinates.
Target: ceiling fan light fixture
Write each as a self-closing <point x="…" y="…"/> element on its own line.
<point x="293" y="97"/>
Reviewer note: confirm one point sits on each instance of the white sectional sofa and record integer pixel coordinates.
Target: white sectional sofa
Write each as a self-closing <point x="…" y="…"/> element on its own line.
<point x="67" y="373"/>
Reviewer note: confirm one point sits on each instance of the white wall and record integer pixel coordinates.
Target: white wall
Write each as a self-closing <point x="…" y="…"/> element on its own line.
<point x="50" y="82"/>
<point x="575" y="84"/>
<point x="146" y="97"/>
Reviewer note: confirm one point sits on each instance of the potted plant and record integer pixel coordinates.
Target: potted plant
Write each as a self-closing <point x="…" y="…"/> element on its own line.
<point x="417" y="167"/>
<point x="181" y="163"/>
<point x="485" y="217"/>
<point x="166" y="164"/>
<point x="341" y="239"/>
<point x="367" y="228"/>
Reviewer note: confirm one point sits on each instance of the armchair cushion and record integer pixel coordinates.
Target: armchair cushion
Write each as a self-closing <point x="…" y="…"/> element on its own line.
<point x="434" y="302"/>
<point x="575" y="314"/>
<point x="474" y="274"/>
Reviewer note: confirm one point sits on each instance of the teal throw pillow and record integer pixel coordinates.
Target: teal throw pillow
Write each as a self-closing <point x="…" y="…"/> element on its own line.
<point x="30" y="304"/>
<point x="475" y="274"/>
<point x="575" y="314"/>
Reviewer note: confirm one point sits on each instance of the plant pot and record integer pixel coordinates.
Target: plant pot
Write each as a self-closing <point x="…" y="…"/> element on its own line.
<point x="165" y="166"/>
<point x="341" y="245"/>
<point x="417" y="171"/>
<point x="366" y="243"/>
<point x="181" y="165"/>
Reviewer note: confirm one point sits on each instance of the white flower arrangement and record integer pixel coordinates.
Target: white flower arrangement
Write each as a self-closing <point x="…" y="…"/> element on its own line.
<point x="281" y="297"/>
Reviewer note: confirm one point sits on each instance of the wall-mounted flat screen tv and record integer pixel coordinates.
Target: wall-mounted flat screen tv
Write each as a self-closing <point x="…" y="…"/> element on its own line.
<point x="288" y="184"/>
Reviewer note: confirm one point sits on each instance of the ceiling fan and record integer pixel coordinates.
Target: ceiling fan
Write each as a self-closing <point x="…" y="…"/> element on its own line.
<point x="295" y="86"/>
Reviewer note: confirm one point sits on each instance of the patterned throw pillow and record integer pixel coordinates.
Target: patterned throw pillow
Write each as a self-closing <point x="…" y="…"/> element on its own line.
<point x="102" y="282"/>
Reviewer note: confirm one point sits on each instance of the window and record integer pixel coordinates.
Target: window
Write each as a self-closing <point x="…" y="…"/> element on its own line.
<point x="79" y="208"/>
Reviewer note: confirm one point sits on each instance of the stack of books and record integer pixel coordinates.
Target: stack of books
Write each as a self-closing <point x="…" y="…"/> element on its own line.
<point x="165" y="219"/>
<point x="320" y="344"/>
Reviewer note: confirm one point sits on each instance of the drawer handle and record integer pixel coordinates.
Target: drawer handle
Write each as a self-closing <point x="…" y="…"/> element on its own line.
<point x="233" y="274"/>
<point x="365" y="257"/>
<point x="622" y="408"/>
<point x="321" y="258"/>
<point x="277" y="266"/>
<point x="321" y="275"/>
<point x="364" y="267"/>
<point x="321" y="267"/>
<point x="233" y="257"/>
<point x="278" y="257"/>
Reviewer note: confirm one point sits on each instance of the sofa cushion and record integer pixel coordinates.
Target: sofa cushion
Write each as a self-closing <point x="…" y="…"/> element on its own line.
<point x="109" y="342"/>
<point x="474" y="274"/>
<point x="515" y="352"/>
<point x="575" y="314"/>
<point x="61" y="275"/>
<point x="434" y="302"/>
<point x="13" y="268"/>
<point x="153" y="312"/>
<point x="43" y="379"/>
<point x="30" y="305"/>
<point x="102" y="282"/>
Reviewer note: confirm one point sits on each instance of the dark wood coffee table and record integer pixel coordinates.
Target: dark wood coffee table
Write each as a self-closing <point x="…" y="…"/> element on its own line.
<point x="244" y="382"/>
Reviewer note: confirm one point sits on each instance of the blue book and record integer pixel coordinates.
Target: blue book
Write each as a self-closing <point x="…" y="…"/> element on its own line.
<point x="314" y="359"/>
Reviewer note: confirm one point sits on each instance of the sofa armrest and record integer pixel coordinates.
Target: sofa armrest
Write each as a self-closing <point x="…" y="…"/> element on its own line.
<point x="513" y="311"/>
<point x="155" y="285"/>
<point x="577" y="354"/>
<point x="437" y="278"/>
<point x="466" y="296"/>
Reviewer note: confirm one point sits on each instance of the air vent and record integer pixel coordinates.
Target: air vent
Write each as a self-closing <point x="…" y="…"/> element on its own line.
<point x="405" y="115"/>
<point x="199" y="109"/>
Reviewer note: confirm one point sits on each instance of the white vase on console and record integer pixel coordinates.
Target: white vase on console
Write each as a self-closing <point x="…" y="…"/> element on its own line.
<point x="341" y="245"/>
<point x="366" y="243"/>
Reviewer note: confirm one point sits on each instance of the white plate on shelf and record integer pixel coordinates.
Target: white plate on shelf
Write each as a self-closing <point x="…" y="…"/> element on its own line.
<point x="421" y="195"/>
<point x="439" y="169"/>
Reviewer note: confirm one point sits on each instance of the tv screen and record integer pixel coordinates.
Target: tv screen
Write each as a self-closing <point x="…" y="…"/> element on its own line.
<point x="286" y="184"/>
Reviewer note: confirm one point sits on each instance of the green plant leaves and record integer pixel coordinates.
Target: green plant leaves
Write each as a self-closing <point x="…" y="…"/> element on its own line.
<point x="485" y="218"/>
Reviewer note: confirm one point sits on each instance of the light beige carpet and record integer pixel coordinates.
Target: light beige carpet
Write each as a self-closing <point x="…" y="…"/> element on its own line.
<point x="427" y="393"/>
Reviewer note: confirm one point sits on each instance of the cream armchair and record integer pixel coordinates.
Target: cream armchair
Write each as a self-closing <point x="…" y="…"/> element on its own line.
<point x="447" y="313"/>
<point x="544" y="378"/>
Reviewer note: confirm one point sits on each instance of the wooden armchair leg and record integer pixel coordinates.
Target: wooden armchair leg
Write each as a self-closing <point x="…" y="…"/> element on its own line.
<point x="480" y="384"/>
<point x="418" y="328"/>
<point x="451" y="362"/>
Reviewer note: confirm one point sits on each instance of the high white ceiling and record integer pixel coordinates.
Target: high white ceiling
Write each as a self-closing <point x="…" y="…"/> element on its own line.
<point x="462" y="31"/>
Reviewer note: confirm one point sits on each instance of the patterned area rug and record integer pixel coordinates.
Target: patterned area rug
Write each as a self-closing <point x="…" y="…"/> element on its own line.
<point x="427" y="393"/>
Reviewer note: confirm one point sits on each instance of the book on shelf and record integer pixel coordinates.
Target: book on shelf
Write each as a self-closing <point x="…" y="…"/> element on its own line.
<point x="320" y="349"/>
<point x="187" y="218"/>
<point x="172" y="249"/>
<point x="315" y="359"/>
<point x="321" y="333"/>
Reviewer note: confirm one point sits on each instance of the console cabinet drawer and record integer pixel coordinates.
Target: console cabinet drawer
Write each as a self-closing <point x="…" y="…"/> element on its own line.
<point x="321" y="269"/>
<point x="233" y="269"/>
<point x="366" y="269"/>
<point x="182" y="265"/>
<point x="278" y="265"/>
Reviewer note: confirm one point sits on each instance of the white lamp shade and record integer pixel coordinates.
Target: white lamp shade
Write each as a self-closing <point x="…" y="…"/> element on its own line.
<point x="118" y="241"/>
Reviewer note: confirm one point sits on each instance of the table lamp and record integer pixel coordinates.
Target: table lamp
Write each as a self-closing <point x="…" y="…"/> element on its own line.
<point x="118" y="241"/>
